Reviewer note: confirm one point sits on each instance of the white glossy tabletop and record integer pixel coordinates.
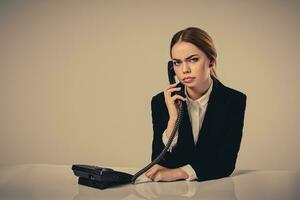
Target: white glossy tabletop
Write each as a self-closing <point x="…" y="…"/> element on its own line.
<point x="39" y="181"/>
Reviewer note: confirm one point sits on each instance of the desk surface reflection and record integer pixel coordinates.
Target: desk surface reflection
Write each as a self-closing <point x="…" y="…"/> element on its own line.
<point x="40" y="181"/>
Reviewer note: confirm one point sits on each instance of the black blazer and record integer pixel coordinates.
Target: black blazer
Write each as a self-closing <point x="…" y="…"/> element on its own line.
<point x="214" y="155"/>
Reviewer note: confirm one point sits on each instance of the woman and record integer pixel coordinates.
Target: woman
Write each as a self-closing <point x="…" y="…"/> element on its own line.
<point x="209" y="136"/>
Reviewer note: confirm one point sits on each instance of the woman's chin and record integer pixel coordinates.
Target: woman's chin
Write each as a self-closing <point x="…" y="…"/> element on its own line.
<point x="190" y="85"/>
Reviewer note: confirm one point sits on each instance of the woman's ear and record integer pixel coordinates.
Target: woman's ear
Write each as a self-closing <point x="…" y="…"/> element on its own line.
<point x="212" y="63"/>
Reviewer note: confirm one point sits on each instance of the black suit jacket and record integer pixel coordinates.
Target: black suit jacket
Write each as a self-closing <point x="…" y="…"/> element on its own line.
<point x="214" y="155"/>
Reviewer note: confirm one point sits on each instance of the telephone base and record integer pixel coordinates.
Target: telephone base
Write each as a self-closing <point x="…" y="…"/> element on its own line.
<point x="97" y="184"/>
<point x="98" y="177"/>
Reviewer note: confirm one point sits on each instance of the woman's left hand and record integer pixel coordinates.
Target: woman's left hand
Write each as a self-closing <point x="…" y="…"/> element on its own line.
<point x="160" y="173"/>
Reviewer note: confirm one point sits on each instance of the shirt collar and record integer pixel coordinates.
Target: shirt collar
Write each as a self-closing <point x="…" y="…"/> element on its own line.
<point x="202" y="100"/>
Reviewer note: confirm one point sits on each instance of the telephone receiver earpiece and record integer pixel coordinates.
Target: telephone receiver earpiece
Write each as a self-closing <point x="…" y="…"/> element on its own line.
<point x="171" y="76"/>
<point x="171" y="72"/>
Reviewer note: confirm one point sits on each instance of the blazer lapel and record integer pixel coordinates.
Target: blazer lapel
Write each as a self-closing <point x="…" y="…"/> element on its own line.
<point x="215" y="111"/>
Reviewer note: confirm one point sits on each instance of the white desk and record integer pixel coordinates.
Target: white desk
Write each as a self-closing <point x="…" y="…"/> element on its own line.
<point x="58" y="182"/>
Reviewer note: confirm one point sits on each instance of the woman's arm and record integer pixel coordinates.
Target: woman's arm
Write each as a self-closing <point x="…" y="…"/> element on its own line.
<point x="159" y="122"/>
<point x="162" y="171"/>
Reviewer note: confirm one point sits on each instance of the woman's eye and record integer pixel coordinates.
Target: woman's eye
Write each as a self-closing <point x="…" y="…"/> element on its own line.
<point x="176" y="63"/>
<point x="193" y="60"/>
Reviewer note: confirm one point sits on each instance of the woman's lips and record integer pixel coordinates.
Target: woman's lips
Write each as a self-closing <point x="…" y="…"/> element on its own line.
<point x="188" y="79"/>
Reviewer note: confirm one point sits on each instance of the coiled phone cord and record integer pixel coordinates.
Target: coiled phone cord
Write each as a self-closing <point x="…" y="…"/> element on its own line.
<point x="164" y="151"/>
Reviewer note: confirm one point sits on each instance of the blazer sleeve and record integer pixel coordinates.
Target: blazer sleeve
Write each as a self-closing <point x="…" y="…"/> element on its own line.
<point x="224" y="163"/>
<point x="160" y="119"/>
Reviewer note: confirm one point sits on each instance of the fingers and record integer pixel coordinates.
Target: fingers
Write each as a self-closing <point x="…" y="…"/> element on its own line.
<point x="153" y="169"/>
<point x="158" y="177"/>
<point x="159" y="173"/>
<point x="176" y="96"/>
<point x="170" y="86"/>
<point x="151" y="173"/>
<point x="169" y="91"/>
<point x="155" y="174"/>
<point x="162" y="175"/>
<point x="166" y="175"/>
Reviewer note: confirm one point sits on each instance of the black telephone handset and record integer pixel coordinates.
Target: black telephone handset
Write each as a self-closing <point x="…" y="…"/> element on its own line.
<point x="171" y="72"/>
<point x="171" y="76"/>
<point x="102" y="178"/>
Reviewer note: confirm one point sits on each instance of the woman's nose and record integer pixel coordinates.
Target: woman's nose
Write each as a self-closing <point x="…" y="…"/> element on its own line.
<point x="186" y="68"/>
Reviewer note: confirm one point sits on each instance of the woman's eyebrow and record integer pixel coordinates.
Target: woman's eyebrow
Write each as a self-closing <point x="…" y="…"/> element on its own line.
<point x="185" y="58"/>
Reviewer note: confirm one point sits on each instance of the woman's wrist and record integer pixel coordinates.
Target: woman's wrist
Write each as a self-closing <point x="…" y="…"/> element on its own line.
<point x="172" y="121"/>
<point x="170" y="127"/>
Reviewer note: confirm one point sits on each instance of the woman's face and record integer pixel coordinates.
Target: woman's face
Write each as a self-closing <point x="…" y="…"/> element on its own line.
<point x="191" y="65"/>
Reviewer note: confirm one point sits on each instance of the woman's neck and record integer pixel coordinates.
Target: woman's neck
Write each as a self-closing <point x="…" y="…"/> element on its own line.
<point x="196" y="93"/>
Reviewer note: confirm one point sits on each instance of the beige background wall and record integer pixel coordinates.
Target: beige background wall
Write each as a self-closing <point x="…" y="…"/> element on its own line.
<point x="77" y="77"/>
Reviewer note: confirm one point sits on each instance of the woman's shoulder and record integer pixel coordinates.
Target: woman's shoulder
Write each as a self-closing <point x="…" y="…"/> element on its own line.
<point x="158" y="98"/>
<point x="235" y="98"/>
<point x="231" y="92"/>
<point x="158" y="105"/>
<point x="234" y="93"/>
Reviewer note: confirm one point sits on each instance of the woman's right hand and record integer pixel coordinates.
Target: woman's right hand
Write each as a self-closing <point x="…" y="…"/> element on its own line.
<point x="170" y="101"/>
